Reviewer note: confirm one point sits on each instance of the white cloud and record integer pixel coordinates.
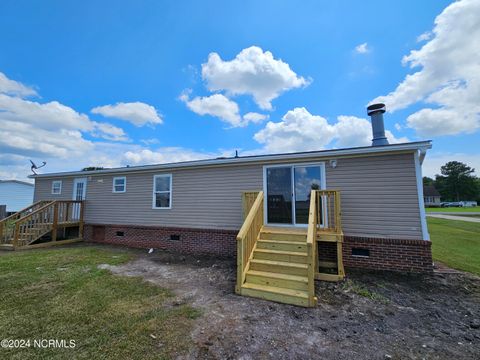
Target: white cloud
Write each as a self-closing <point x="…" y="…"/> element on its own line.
<point x="152" y="141"/>
<point x="217" y="105"/>
<point x="427" y="35"/>
<point x="252" y="72"/>
<point x="137" y="113"/>
<point x="163" y="155"/>
<point x="109" y="132"/>
<point x="362" y="48"/>
<point x="254" y="117"/>
<point x="15" y="88"/>
<point x="299" y="130"/>
<point x="45" y="131"/>
<point x="449" y="75"/>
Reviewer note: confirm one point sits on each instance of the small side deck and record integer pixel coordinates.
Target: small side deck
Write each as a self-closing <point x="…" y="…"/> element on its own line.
<point x="43" y="224"/>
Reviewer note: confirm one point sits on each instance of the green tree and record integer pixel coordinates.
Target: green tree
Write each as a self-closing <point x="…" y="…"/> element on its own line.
<point x="457" y="182"/>
<point x="428" y="181"/>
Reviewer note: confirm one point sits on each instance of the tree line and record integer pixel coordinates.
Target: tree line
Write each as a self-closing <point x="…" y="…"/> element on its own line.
<point x="456" y="182"/>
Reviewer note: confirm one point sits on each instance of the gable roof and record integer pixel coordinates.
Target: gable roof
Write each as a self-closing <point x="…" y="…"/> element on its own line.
<point x="429" y="190"/>
<point x="364" y="150"/>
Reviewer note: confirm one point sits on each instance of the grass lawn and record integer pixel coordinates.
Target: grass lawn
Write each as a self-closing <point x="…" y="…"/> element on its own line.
<point x="61" y="294"/>
<point x="454" y="209"/>
<point x="456" y="243"/>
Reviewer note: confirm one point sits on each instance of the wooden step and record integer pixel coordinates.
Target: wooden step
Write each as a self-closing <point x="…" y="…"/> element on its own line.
<point x="294" y="282"/>
<point x="294" y="246"/>
<point x="6" y="247"/>
<point x="272" y="293"/>
<point x="281" y="267"/>
<point x="279" y="255"/>
<point x="282" y="234"/>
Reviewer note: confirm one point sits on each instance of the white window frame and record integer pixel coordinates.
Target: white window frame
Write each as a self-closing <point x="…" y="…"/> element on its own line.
<point x="154" y="192"/>
<point x="323" y="186"/>
<point x="53" y="187"/>
<point x="124" y="178"/>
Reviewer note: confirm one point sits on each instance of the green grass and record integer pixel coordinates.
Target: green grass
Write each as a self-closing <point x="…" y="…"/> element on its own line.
<point x="454" y="209"/>
<point x="359" y="289"/>
<point x="456" y="243"/>
<point x="61" y="294"/>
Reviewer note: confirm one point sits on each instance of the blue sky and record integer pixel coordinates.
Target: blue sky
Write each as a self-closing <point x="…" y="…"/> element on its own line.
<point x="148" y="81"/>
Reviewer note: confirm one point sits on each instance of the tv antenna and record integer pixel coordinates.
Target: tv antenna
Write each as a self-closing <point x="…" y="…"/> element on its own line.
<point x="35" y="167"/>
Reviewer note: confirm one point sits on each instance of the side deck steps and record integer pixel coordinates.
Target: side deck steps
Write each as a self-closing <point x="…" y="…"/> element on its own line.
<point x="278" y="269"/>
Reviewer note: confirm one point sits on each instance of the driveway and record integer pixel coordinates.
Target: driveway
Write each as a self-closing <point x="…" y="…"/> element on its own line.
<point x="454" y="217"/>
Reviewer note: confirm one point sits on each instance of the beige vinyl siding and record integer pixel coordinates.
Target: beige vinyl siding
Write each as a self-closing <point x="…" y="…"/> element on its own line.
<point x="43" y="189"/>
<point x="379" y="196"/>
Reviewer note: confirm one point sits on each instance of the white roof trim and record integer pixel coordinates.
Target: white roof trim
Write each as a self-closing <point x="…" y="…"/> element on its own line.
<point x="414" y="146"/>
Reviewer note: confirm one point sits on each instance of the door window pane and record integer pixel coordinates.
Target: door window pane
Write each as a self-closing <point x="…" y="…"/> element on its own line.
<point x="279" y="195"/>
<point x="307" y="178"/>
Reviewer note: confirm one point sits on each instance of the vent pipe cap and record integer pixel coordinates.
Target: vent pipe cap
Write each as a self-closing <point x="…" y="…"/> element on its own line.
<point x="376" y="108"/>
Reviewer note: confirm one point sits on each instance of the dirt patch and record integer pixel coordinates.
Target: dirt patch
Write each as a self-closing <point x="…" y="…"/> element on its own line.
<point x="370" y="316"/>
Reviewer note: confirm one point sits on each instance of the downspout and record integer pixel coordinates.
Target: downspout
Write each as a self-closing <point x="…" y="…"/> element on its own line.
<point x="419" y="156"/>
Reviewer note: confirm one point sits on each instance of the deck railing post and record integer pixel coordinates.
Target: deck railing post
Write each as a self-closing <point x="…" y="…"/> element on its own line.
<point x="80" y="224"/>
<point x="16" y="234"/>
<point x="55" y="221"/>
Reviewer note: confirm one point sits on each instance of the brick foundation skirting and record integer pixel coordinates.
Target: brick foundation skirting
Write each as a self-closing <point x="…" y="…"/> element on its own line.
<point x="183" y="240"/>
<point x="383" y="254"/>
<point x="388" y="254"/>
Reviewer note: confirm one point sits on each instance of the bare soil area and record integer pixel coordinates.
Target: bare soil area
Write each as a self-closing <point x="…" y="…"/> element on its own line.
<point x="371" y="315"/>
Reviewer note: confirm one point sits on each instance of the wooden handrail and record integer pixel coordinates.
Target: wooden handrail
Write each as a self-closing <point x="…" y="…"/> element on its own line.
<point x="47" y="218"/>
<point x="7" y="225"/>
<point x="251" y="215"/>
<point x="22" y="219"/>
<point x="18" y="213"/>
<point x="247" y="239"/>
<point x="311" y="247"/>
<point x="328" y="211"/>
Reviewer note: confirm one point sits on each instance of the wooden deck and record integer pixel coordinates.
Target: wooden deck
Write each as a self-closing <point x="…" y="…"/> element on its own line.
<point x="40" y="225"/>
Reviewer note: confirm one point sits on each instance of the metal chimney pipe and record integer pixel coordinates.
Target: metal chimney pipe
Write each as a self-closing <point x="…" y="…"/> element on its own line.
<point x="375" y="111"/>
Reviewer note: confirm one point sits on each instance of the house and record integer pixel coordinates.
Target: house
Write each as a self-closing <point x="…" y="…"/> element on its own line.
<point x="15" y="194"/>
<point x="288" y="218"/>
<point x="431" y="196"/>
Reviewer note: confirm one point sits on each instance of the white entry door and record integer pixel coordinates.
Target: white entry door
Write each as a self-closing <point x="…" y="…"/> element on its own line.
<point x="79" y="193"/>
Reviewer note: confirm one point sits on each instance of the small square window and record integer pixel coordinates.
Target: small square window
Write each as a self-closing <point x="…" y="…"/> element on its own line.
<point x="119" y="184"/>
<point x="57" y="187"/>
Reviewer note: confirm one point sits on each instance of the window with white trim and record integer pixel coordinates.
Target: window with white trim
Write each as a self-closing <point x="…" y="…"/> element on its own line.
<point x="119" y="184"/>
<point x="162" y="191"/>
<point x="56" y="187"/>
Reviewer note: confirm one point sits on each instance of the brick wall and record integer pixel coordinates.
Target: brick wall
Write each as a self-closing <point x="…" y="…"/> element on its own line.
<point x="383" y="254"/>
<point x="388" y="254"/>
<point x="191" y="241"/>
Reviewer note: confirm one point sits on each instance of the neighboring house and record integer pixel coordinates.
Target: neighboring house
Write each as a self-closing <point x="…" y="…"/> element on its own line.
<point x="15" y="194"/>
<point x="431" y="196"/>
<point x="376" y="218"/>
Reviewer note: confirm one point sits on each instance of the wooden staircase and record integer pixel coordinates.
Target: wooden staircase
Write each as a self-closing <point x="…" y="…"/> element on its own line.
<point x="278" y="269"/>
<point x="39" y="224"/>
<point x="281" y="263"/>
